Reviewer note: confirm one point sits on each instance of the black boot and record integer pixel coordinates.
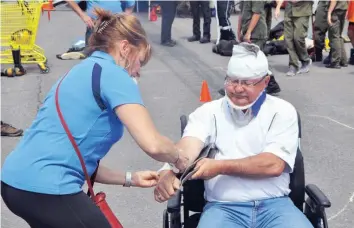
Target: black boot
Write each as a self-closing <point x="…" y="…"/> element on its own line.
<point x="327" y="60"/>
<point x="205" y="39"/>
<point x="273" y="87"/>
<point x="318" y="56"/>
<point x="19" y="70"/>
<point x="227" y="34"/>
<point x="193" y="38"/>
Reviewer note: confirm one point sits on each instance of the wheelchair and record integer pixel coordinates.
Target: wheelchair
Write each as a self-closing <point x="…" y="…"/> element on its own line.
<point x="190" y="198"/>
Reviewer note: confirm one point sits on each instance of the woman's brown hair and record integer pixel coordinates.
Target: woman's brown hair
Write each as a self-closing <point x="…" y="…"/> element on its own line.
<point x="111" y="28"/>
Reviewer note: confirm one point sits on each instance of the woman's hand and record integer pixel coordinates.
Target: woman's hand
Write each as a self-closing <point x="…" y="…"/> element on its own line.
<point x="88" y="20"/>
<point x="145" y="179"/>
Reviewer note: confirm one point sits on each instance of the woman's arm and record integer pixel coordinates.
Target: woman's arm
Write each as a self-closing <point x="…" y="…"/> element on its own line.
<point x="138" y="179"/>
<point x="137" y="120"/>
<point x="88" y="20"/>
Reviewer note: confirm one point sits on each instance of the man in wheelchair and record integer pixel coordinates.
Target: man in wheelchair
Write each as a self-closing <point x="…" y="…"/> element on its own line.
<point x="256" y="136"/>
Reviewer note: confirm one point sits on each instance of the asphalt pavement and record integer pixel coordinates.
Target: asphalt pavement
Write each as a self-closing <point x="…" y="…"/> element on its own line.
<point x="170" y="86"/>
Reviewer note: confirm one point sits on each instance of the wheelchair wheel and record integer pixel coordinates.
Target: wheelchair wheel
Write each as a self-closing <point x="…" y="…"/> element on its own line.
<point x="44" y="68"/>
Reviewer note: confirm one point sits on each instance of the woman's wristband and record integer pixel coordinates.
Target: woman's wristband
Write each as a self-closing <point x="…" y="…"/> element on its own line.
<point x="128" y="179"/>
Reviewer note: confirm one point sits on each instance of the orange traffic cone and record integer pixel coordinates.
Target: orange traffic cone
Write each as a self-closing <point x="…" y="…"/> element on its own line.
<point x="204" y="93"/>
<point x="153" y="15"/>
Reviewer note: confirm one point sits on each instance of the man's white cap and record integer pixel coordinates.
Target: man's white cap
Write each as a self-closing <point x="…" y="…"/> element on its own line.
<point x="247" y="62"/>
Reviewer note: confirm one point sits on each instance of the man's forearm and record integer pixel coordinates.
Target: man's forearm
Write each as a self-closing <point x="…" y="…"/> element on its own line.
<point x="261" y="165"/>
<point x="253" y="23"/>
<point x="279" y="3"/>
<point x="332" y="5"/>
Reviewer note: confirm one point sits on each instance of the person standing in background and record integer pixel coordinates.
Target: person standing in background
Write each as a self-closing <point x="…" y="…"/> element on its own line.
<point x="252" y="28"/>
<point x="84" y="9"/>
<point x="204" y="6"/>
<point x="320" y="29"/>
<point x="168" y="14"/>
<point x="223" y="14"/>
<point x="252" y="23"/>
<point x="336" y="18"/>
<point x="296" y="24"/>
<point x="350" y="17"/>
<point x="268" y="7"/>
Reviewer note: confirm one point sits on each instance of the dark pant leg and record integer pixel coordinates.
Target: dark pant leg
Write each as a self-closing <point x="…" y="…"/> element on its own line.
<point x="301" y="25"/>
<point x="168" y="9"/>
<point x="320" y="30"/>
<point x="53" y="211"/>
<point x="226" y="32"/>
<point x="351" y="37"/>
<point x="196" y="18"/>
<point x="351" y="33"/>
<point x="206" y="18"/>
<point x="87" y="37"/>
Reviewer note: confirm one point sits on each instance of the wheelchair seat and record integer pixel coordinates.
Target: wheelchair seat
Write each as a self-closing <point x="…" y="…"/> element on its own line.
<point x="191" y="198"/>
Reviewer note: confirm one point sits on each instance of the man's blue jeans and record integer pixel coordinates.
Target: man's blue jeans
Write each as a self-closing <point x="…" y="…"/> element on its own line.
<point x="270" y="213"/>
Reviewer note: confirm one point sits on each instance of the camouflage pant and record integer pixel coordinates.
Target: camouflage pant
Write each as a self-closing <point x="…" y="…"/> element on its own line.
<point x="269" y="18"/>
<point x="259" y="42"/>
<point x="295" y="32"/>
<point x="338" y="54"/>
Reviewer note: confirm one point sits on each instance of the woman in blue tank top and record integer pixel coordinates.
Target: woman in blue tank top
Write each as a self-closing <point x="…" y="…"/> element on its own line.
<point x="42" y="177"/>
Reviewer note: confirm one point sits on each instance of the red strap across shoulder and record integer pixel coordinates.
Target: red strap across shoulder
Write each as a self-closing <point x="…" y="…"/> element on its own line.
<point x="72" y="140"/>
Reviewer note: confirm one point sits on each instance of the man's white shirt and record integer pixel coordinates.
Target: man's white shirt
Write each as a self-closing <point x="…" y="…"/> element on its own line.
<point x="274" y="130"/>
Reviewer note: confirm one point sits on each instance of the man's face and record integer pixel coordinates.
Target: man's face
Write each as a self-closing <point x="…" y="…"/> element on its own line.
<point x="244" y="92"/>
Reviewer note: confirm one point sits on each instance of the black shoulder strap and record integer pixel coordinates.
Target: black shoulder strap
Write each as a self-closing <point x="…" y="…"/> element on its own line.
<point x="96" y="85"/>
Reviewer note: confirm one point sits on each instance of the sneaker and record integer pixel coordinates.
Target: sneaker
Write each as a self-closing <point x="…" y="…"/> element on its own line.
<point x="71" y="55"/>
<point x="305" y="68"/>
<point x="292" y="71"/>
<point x="169" y="43"/>
<point x="8" y="130"/>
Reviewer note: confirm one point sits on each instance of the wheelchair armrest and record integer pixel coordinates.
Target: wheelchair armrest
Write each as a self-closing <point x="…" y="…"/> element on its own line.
<point x="174" y="203"/>
<point x="317" y="196"/>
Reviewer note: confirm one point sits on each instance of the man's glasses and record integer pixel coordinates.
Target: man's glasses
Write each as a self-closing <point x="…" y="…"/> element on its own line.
<point x="244" y="83"/>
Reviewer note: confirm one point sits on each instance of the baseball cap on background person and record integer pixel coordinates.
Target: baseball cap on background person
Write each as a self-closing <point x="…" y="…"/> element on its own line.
<point x="247" y="62"/>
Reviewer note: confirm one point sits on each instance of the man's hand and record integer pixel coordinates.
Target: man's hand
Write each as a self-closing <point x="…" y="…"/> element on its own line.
<point x="206" y="169"/>
<point x="167" y="186"/>
<point x="247" y="37"/>
<point x="277" y="13"/>
<point x="145" y="179"/>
